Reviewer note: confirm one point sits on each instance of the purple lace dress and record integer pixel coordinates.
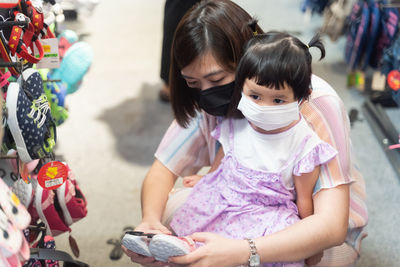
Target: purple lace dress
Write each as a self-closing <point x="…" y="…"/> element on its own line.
<point x="237" y="202"/>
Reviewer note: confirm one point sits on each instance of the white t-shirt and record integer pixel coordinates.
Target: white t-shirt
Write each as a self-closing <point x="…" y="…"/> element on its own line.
<point x="270" y="152"/>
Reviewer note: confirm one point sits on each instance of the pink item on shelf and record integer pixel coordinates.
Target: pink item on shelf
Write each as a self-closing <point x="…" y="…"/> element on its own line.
<point x="24" y="251"/>
<point x="43" y="207"/>
<point x="394" y="146"/>
<point x="71" y="199"/>
<point x="10" y="236"/>
<point x="14" y="260"/>
<point x="4" y="78"/>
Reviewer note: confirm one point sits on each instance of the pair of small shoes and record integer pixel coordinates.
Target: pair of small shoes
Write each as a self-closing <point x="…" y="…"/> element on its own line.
<point x="159" y="246"/>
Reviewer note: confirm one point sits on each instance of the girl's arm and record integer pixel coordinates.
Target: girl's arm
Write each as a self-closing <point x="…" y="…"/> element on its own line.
<point x="327" y="227"/>
<point x="304" y="186"/>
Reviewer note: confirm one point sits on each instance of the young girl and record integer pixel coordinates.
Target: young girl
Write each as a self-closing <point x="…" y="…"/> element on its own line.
<point x="268" y="162"/>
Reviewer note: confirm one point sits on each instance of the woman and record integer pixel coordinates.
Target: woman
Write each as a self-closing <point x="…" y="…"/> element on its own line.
<point x="206" y="49"/>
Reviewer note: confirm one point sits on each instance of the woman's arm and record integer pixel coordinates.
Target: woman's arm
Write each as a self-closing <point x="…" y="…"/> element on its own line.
<point x="155" y="189"/>
<point x="327" y="227"/>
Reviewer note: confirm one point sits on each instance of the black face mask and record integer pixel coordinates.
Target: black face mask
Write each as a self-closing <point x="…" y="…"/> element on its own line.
<point x="215" y="100"/>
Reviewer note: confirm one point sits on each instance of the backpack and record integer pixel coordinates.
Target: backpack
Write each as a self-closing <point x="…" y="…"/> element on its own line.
<point x="357" y="35"/>
<point x="373" y="31"/>
<point x="389" y="20"/>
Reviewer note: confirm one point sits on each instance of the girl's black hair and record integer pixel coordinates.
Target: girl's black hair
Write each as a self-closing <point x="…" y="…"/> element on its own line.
<point x="274" y="59"/>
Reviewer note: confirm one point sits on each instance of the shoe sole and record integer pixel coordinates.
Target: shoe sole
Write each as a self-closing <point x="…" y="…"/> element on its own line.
<point x="136" y="244"/>
<point x="12" y="121"/>
<point x="164" y="246"/>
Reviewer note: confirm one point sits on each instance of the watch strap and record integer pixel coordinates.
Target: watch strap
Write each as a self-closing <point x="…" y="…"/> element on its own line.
<point x="253" y="253"/>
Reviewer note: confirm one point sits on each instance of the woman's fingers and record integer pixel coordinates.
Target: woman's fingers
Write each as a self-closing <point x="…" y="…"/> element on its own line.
<point x="197" y="254"/>
<point x="189" y="258"/>
<point x="203" y="237"/>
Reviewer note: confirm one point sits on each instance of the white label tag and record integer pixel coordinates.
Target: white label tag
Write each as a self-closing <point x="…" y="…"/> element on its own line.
<point x="50" y="183"/>
<point x="51" y="59"/>
<point x="378" y="81"/>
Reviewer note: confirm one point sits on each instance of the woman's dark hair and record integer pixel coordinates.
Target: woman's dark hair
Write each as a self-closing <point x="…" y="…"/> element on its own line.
<point x="216" y="27"/>
<point x="274" y="59"/>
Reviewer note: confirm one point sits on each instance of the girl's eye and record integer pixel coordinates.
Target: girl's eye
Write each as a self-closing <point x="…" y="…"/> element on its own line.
<point x="278" y="101"/>
<point x="255" y="97"/>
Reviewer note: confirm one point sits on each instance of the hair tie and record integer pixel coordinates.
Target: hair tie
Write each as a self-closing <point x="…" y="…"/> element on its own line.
<point x="253" y="27"/>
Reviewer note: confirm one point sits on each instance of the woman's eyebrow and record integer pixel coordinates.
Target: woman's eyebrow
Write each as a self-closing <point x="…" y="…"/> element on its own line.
<point x="186" y="77"/>
<point x="205" y="76"/>
<point x="213" y="73"/>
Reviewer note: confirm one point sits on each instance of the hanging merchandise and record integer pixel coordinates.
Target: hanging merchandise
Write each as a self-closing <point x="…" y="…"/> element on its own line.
<point x="29" y="117"/>
<point x="389" y="25"/>
<point x="74" y="66"/>
<point x="390" y="66"/>
<point x="56" y="93"/>
<point x="396" y="97"/>
<point x="335" y="18"/>
<point x="372" y="27"/>
<point x="47" y="197"/>
<point x="357" y="35"/>
<point x="314" y="6"/>
<point x="14" y="249"/>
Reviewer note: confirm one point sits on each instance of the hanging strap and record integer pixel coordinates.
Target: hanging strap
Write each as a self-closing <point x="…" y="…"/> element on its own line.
<point x="56" y="255"/>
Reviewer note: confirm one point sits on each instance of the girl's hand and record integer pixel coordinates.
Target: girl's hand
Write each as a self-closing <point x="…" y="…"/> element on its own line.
<point x="217" y="251"/>
<point x="190" y="181"/>
<point x="152" y="227"/>
<point x="315" y="259"/>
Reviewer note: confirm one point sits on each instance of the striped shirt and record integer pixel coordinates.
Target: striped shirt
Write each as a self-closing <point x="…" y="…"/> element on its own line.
<point x="185" y="151"/>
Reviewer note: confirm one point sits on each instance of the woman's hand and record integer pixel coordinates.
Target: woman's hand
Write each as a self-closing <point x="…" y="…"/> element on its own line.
<point x="154" y="227"/>
<point x="190" y="181"/>
<point x="217" y="251"/>
<point x="315" y="259"/>
<point x="143" y="260"/>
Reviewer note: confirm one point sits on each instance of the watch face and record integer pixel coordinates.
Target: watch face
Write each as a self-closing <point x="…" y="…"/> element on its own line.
<point x="254" y="260"/>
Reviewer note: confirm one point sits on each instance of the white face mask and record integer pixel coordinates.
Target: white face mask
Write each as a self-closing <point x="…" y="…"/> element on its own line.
<point x="269" y="118"/>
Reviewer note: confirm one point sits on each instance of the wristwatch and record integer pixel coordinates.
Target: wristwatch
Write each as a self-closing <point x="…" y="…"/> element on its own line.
<point x="254" y="259"/>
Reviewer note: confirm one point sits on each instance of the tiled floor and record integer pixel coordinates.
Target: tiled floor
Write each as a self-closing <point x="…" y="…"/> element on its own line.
<point x="116" y="122"/>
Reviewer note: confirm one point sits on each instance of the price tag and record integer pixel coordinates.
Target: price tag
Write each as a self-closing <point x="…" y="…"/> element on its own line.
<point x="52" y="175"/>
<point x="51" y="59"/>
